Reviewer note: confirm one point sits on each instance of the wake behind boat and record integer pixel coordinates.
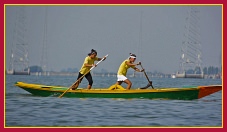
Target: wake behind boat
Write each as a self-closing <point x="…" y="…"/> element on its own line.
<point x="117" y="91"/>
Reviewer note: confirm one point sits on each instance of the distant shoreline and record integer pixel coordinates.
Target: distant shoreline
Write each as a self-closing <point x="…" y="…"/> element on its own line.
<point x="111" y="74"/>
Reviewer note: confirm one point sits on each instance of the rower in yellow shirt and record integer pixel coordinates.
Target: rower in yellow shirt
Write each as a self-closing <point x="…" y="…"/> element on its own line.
<point x="87" y="65"/>
<point x="122" y="71"/>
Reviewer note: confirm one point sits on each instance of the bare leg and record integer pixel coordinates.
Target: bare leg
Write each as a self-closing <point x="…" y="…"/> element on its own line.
<point x="88" y="87"/>
<point x="75" y="86"/>
<point x="118" y="82"/>
<point x="129" y="84"/>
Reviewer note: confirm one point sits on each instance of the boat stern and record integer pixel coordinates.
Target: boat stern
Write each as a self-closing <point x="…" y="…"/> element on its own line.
<point x="207" y="90"/>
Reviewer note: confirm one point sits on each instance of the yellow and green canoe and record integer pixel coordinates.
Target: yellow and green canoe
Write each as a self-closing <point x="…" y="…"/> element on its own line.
<point x="117" y="91"/>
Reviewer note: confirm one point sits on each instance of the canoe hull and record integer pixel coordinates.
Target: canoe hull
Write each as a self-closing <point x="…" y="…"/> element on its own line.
<point x="161" y="93"/>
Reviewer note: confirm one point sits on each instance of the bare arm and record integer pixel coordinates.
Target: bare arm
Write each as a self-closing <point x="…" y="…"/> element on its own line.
<point x="130" y="64"/>
<point x="138" y="70"/>
<point x="89" y="65"/>
<point x="101" y="58"/>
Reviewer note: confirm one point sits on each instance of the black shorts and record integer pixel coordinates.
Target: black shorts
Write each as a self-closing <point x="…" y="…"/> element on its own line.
<point x="87" y="76"/>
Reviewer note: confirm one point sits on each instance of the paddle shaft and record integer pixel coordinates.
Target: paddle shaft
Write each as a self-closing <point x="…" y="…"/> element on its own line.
<point x="83" y="76"/>
<point x="146" y="75"/>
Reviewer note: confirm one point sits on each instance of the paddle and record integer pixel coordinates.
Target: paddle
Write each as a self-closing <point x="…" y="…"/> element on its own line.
<point x="83" y="76"/>
<point x="149" y="82"/>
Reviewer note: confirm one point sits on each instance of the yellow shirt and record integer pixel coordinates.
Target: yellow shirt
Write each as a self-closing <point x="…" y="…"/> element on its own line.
<point x="88" y="60"/>
<point x="123" y="68"/>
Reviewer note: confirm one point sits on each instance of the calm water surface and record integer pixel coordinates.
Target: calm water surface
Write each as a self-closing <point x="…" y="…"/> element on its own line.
<point x="26" y="110"/>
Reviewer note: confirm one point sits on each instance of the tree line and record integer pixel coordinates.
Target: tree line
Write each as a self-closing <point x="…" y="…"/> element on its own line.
<point x="206" y="70"/>
<point x="211" y="70"/>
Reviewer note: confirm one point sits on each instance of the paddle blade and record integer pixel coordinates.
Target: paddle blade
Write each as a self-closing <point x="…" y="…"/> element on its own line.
<point x="148" y="85"/>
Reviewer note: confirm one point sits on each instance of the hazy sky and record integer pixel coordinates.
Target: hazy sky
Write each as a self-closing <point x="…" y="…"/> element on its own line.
<point x="72" y="31"/>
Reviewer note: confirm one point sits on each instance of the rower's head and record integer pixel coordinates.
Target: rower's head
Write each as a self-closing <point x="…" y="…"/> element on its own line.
<point x="132" y="57"/>
<point x="93" y="53"/>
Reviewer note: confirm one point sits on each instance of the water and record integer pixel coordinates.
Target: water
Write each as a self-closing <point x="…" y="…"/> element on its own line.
<point x="25" y="110"/>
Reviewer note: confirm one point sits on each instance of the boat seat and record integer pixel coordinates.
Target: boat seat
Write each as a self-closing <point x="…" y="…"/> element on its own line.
<point x="116" y="87"/>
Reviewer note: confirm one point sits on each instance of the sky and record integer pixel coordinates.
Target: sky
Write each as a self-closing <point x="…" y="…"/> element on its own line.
<point x="154" y="33"/>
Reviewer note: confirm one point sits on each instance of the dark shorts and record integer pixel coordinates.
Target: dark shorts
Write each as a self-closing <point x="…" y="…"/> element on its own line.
<point x="87" y="76"/>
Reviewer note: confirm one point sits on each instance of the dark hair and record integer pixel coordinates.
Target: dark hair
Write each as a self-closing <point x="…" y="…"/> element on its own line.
<point x="132" y="54"/>
<point x="92" y="52"/>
